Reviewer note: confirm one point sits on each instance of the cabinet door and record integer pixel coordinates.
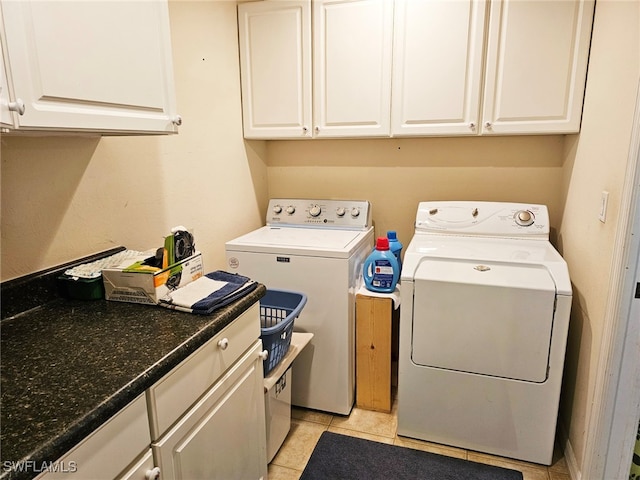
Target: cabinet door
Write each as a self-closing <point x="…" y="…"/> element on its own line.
<point x="223" y="435"/>
<point x="437" y="67"/>
<point x="6" y="118"/>
<point x="537" y="55"/>
<point x="6" y="115"/>
<point x="352" y="44"/>
<point x="97" y="66"/>
<point x="275" y="65"/>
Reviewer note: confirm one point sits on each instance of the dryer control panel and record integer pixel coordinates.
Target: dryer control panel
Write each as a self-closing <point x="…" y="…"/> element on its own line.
<point x="314" y="213"/>
<point x="493" y="219"/>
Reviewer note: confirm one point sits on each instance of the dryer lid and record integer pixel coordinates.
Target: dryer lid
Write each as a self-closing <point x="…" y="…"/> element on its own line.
<point x="484" y="318"/>
<point x="482" y="250"/>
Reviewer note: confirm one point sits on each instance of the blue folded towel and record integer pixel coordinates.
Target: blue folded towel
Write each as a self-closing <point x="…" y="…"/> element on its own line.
<point x="209" y="293"/>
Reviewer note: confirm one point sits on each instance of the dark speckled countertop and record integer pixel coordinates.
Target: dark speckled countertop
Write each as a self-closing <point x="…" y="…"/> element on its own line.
<point x="67" y="366"/>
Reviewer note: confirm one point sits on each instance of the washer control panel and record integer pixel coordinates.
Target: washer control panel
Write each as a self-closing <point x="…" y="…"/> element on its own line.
<point x="348" y="214"/>
<point x="483" y="219"/>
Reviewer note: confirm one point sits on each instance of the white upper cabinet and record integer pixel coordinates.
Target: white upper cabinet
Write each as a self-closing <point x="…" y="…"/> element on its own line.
<point x="437" y="67"/>
<point x="349" y="94"/>
<point x="6" y="117"/>
<point x="352" y="45"/>
<point x="415" y="67"/>
<point x="536" y="64"/>
<point x="98" y="66"/>
<point x="275" y="65"/>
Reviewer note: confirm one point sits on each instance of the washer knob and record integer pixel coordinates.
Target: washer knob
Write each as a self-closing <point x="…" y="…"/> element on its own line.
<point x="355" y="212"/>
<point x="277" y="209"/>
<point x="340" y="211"/>
<point x="291" y="209"/>
<point x="524" y="218"/>
<point x="315" y="210"/>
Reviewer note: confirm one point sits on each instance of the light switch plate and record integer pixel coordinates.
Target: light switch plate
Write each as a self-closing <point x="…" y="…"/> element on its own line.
<point x="604" y="200"/>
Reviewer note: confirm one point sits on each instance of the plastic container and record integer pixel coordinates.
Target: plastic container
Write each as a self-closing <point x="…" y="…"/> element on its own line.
<point x="381" y="270"/>
<point x="278" y="310"/>
<point x="81" y="288"/>
<point x="395" y="246"/>
<point x="277" y="403"/>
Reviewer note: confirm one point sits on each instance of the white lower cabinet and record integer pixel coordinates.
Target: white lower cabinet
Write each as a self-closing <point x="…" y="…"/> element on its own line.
<point x="109" y="452"/>
<point x="207" y="415"/>
<point x="173" y="395"/>
<point x="204" y="420"/>
<point x="143" y="469"/>
<point x="223" y="435"/>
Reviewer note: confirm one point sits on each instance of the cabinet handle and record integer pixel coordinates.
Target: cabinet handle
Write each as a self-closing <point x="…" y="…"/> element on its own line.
<point x="177" y="120"/>
<point x="223" y="344"/>
<point x="317" y="129"/>
<point x="264" y="355"/>
<point x="487" y="125"/>
<point x="153" y="474"/>
<point x="305" y="129"/>
<point x="472" y="126"/>
<point x="17" y="106"/>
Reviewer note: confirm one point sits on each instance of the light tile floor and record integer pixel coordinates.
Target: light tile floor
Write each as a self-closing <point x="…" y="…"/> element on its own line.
<point x="308" y="425"/>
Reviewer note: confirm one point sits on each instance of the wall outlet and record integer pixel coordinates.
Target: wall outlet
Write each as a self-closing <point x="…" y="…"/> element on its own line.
<point x="604" y="200"/>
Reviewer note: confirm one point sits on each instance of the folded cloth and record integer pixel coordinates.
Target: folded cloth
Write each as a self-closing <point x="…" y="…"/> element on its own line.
<point x="209" y="293"/>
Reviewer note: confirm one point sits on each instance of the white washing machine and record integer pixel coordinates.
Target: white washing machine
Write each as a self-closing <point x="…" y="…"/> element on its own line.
<point x="316" y="247"/>
<point x="483" y="329"/>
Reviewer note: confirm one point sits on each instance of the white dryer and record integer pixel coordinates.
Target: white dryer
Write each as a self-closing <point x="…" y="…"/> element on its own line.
<point x="484" y="320"/>
<point x="316" y="247"/>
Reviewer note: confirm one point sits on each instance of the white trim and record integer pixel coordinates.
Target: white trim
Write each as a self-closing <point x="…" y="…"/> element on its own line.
<point x="616" y="406"/>
<point x="569" y="454"/>
<point x="626" y="410"/>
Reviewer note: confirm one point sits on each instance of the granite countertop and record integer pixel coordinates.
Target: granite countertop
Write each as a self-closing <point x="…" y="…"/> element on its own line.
<point x="67" y="366"/>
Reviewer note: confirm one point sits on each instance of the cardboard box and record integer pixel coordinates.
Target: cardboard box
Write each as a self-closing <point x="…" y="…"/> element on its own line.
<point x="137" y="284"/>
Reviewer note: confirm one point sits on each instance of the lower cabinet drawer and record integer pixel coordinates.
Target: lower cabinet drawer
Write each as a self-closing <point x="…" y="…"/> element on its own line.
<point x="143" y="469"/>
<point x="110" y="450"/>
<point x="174" y="394"/>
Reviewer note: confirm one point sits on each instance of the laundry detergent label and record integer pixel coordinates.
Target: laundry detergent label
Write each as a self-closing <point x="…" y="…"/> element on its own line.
<point x="382" y="274"/>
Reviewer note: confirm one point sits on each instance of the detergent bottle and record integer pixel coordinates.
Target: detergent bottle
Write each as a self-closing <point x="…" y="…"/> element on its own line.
<point x="381" y="270"/>
<point x="395" y="246"/>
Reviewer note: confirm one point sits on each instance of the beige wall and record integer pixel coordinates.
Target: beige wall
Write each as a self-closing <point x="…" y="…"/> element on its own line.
<point x="596" y="161"/>
<point x="63" y="198"/>
<point x="396" y="174"/>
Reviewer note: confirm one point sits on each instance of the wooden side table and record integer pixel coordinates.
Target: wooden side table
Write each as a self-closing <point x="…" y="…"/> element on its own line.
<point x="374" y="349"/>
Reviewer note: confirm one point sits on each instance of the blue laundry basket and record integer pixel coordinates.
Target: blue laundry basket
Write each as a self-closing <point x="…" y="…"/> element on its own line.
<point x="278" y="310"/>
